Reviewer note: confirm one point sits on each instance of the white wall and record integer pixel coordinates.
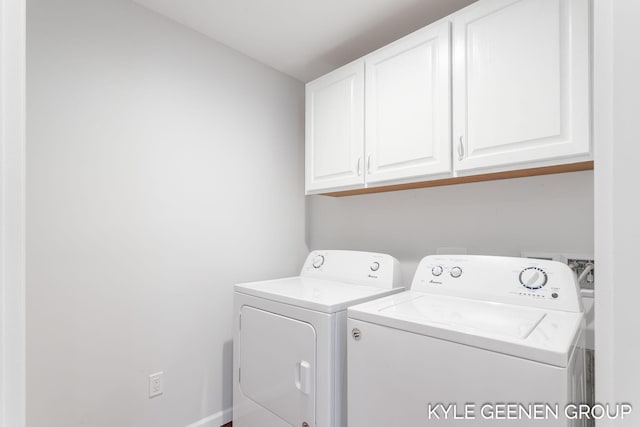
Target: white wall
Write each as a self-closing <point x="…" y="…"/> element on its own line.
<point x="12" y="207"/>
<point x="617" y="104"/>
<point x="551" y="213"/>
<point x="162" y="168"/>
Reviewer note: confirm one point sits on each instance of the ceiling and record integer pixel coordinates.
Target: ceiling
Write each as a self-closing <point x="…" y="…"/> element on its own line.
<point x="305" y="38"/>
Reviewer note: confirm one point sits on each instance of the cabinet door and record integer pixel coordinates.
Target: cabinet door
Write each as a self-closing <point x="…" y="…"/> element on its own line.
<point x="521" y="84"/>
<point x="408" y="113"/>
<point x="335" y="130"/>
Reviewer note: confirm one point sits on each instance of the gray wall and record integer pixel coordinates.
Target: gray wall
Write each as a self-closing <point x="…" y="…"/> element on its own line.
<point x="162" y="168"/>
<point x="552" y="213"/>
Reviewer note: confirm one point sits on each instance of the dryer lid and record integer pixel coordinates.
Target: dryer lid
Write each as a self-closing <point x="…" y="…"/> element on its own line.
<point x="314" y="294"/>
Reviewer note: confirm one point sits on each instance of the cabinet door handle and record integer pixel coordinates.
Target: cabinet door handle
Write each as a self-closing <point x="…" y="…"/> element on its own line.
<point x="358" y="166"/>
<point x="369" y="164"/>
<point x="460" y="149"/>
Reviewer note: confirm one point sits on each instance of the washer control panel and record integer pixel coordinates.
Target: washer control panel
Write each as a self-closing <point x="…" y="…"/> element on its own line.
<point x="524" y="281"/>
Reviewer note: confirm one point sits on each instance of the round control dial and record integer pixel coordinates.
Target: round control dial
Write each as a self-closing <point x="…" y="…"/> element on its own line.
<point x="437" y="270"/>
<point x="533" y="278"/>
<point x="456" y="272"/>
<point x="317" y="261"/>
<point x="375" y="266"/>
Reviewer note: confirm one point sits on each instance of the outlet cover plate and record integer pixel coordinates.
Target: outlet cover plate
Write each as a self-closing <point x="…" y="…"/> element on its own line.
<point x="155" y="384"/>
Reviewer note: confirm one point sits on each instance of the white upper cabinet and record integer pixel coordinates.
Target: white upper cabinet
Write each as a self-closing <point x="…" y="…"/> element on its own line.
<point x="501" y="85"/>
<point x="335" y="130"/>
<point x="407" y="114"/>
<point x="521" y="84"/>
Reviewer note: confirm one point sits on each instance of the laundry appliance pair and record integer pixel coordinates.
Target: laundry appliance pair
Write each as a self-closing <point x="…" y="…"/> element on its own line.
<point x="475" y="340"/>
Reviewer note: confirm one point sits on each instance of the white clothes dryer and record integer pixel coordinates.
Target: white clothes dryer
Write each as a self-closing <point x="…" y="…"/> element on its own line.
<point x="289" y="346"/>
<point x="492" y="340"/>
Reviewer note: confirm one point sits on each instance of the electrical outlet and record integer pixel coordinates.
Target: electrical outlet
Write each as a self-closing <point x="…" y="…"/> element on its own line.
<point x="155" y="384"/>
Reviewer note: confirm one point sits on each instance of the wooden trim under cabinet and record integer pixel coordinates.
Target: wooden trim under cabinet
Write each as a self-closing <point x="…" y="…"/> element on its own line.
<point x="547" y="170"/>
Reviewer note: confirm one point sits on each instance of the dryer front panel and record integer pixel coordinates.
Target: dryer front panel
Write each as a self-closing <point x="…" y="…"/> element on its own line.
<point x="278" y="364"/>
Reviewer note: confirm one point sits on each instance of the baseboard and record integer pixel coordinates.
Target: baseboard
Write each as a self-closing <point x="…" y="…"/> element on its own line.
<point x="215" y="420"/>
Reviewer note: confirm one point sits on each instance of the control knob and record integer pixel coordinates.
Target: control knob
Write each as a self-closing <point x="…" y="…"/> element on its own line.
<point x="533" y="278"/>
<point x="317" y="261"/>
<point x="456" y="272"/>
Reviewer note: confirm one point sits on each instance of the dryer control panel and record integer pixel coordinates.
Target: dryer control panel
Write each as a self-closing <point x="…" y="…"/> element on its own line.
<point x="363" y="268"/>
<point x="522" y="281"/>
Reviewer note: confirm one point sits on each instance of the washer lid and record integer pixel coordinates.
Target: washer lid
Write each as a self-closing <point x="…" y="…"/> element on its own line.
<point x="314" y="294"/>
<point x="546" y="336"/>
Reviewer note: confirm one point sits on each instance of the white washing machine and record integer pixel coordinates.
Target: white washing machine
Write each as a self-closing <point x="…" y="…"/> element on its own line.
<point x="475" y="333"/>
<point x="289" y="346"/>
